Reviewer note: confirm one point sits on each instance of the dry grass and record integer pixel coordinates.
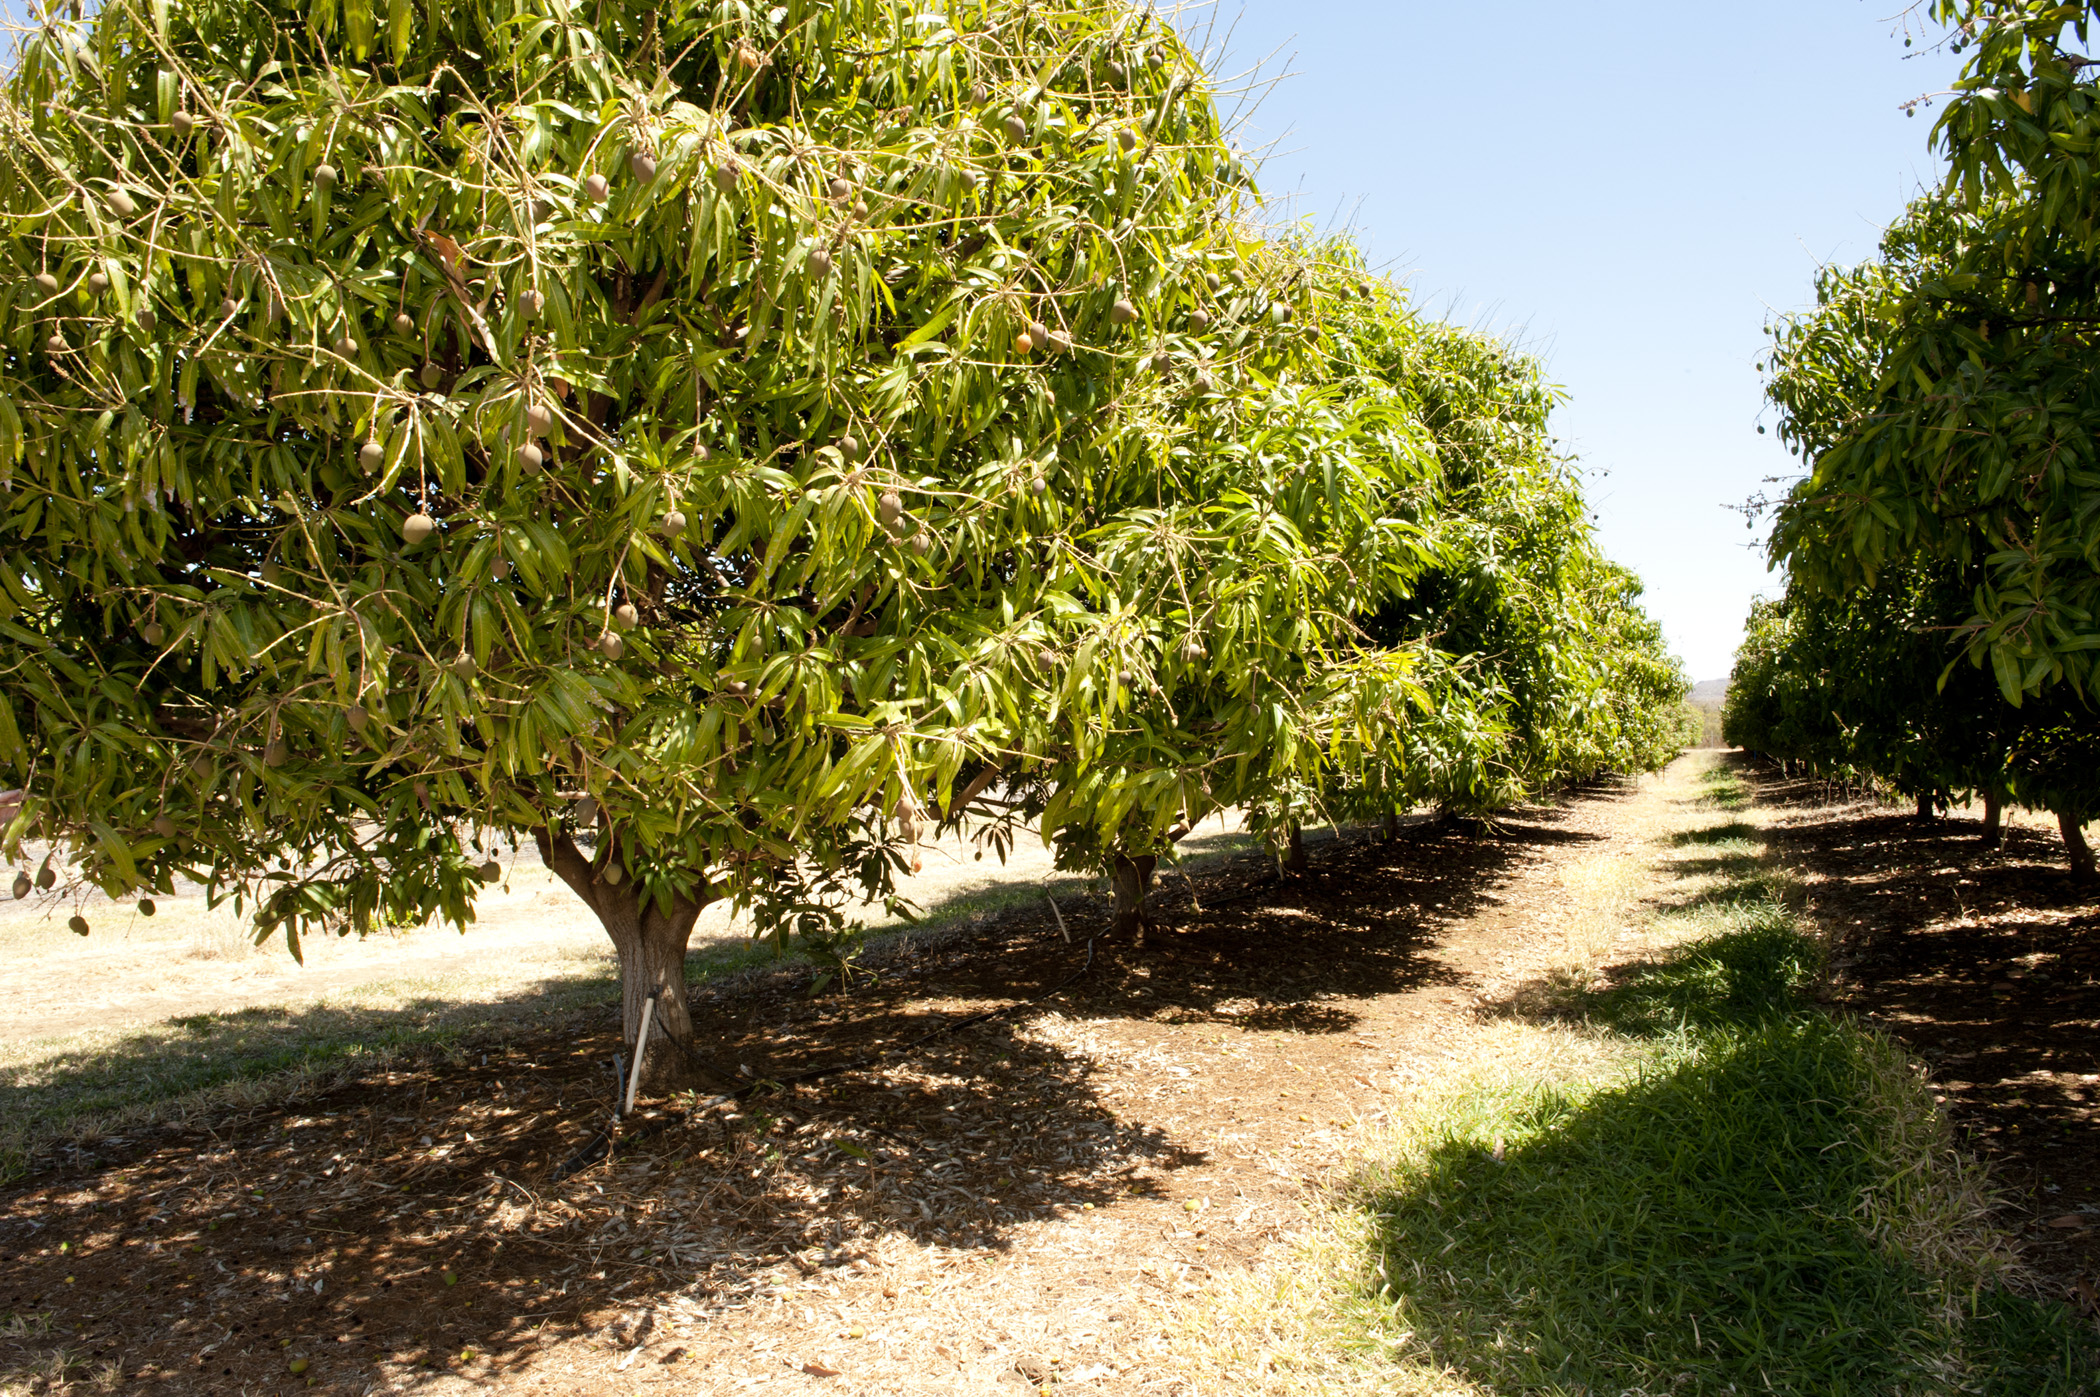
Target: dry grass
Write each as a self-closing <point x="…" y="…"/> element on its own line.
<point x="180" y="1019"/>
<point x="1932" y="1204"/>
<point x="105" y="1082"/>
<point x="63" y="1373"/>
<point x="1083" y="1187"/>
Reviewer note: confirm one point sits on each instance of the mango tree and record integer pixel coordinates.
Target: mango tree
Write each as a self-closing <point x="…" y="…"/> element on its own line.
<point x="658" y="432"/>
<point x="1542" y="667"/>
<point x="1850" y="687"/>
<point x="1942" y="397"/>
<point x="1941" y="546"/>
<point x="1232" y="581"/>
<point x="1218" y="590"/>
<point x="1869" y="685"/>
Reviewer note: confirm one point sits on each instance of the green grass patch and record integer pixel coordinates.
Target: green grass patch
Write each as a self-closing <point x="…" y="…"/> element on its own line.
<point x="1741" y="979"/>
<point x="1722" y="789"/>
<point x="728" y="957"/>
<point x="1757" y="1197"/>
<point x="1697" y="1228"/>
<point x="996" y="897"/>
<point x="1735" y="832"/>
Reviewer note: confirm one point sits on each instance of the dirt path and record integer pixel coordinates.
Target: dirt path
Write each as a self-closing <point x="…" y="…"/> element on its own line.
<point x="1030" y="1197"/>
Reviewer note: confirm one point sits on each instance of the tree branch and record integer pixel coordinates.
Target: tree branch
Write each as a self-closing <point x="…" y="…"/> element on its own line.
<point x="567" y="862"/>
<point x="970" y="792"/>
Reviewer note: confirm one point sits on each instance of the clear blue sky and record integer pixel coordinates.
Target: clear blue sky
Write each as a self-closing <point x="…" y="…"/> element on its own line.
<point x="1626" y="189"/>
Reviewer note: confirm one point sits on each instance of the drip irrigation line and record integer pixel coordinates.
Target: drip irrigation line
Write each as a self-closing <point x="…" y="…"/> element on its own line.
<point x="594" y="1149"/>
<point x="600" y="1144"/>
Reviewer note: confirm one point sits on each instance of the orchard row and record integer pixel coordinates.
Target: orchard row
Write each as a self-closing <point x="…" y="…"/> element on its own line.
<point x="1942" y="616"/>
<point x="717" y="447"/>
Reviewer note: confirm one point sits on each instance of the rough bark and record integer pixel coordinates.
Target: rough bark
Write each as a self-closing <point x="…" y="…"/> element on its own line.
<point x="1294" y="860"/>
<point x="1129" y="880"/>
<point x="1993" y="818"/>
<point x="650" y="943"/>
<point x="2081" y="853"/>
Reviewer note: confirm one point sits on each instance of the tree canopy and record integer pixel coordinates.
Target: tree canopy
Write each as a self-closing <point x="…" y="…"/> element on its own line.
<point x="708" y="443"/>
<point x="1942" y="395"/>
<point x="1540" y="667"/>
<point x="442" y="408"/>
<point x="1857" y="688"/>
<point x="1943" y="548"/>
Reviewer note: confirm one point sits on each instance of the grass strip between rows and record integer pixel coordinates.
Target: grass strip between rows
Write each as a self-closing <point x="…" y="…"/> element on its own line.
<point x="1740" y="1193"/>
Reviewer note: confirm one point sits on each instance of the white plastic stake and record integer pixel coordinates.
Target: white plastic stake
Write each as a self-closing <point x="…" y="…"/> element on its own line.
<point x="641" y="1050"/>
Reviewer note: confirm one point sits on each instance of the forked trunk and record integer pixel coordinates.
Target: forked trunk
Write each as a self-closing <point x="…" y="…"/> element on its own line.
<point x="1294" y="860"/>
<point x="1389" y="826"/>
<point x="1129" y="880"/>
<point x="1993" y="818"/>
<point x="1924" y="805"/>
<point x="650" y="943"/>
<point x="2074" y="845"/>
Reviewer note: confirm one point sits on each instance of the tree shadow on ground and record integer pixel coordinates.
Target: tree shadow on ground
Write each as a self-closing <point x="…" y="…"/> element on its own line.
<point x="1719" y="834"/>
<point x="1781" y="790"/>
<point x="409" y="1222"/>
<point x="1985" y="964"/>
<point x="194" y="1065"/>
<point x="1743" y="978"/>
<point x="1696" y="1225"/>
<point x="1730" y="866"/>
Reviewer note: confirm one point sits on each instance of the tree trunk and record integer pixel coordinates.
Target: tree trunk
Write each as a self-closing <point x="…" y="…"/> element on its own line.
<point x="651" y="946"/>
<point x="2074" y="844"/>
<point x="1294" y="860"/>
<point x="1389" y="826"/>
<point x="1993" y="817"/>
<point x="1924" y="805"/>
<point x="1129" y="880"/>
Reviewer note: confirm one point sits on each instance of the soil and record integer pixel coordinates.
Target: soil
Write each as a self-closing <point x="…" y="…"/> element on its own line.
<point x="1022" y="1200"/>
<point x="1017" y="1199"/>
<point x="1984" y="964"/>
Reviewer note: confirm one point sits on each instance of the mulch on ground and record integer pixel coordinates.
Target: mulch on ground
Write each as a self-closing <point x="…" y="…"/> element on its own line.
<point x="1985" y="964"/>
<point x="406" y="1230"/>
<point x="1155" y="1121"/>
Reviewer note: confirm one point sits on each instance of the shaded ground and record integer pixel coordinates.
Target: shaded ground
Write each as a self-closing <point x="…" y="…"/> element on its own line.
<point x="174" y="1016"/>
<point x="1020" y="1198"/>
<point x="1029" y="1198"/>
<point x="1986" y="965"/>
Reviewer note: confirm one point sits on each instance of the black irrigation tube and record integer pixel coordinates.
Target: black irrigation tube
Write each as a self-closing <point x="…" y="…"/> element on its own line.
<point x="600" y="1145"/>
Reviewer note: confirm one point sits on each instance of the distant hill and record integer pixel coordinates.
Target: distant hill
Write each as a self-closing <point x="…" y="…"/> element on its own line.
<point x="1708" y="695"/>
